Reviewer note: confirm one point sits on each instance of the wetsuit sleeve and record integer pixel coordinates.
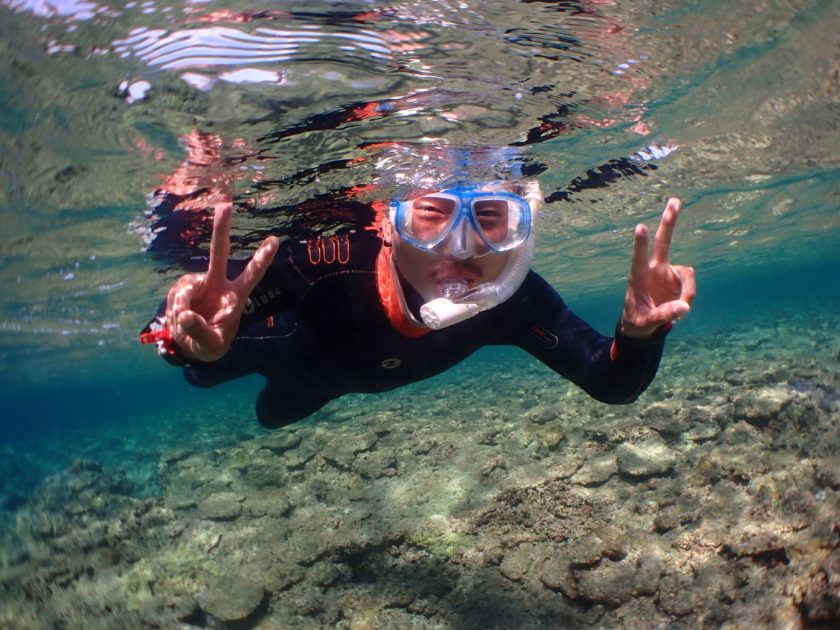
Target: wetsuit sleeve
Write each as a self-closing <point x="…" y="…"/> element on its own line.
<point x="613" y="370"/>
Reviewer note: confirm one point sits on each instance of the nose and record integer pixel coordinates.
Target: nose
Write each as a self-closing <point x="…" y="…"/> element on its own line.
<point x="463" y="243"/>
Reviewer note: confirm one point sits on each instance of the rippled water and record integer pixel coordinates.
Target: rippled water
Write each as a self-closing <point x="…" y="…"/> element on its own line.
<point x="616" y="106"/>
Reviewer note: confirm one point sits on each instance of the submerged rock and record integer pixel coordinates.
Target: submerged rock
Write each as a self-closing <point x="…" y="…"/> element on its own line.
<point x="516" y="563"/>
<point x="231" y="598"/>
<point x="613" y="583"/>
<point x="666" y="418"/>
<point x="646" y="459"/>
<point x="221" y="506"/>
<point x="281" y="441"/>
<point x="675" y="595"/>
<point x="672" y="516"/>
<point x="596" y="471"/>
<point x="556" y="574"/>
<point x="589" y="549"/>
<point x="821" y="603"/>
<point x="761" y="408"/>
<point x="494" y="463"/>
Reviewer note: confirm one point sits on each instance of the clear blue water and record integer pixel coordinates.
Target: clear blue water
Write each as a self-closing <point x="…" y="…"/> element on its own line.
<point x="734" y="108"/>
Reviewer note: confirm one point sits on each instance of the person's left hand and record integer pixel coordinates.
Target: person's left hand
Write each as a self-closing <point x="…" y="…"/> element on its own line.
<point x="657" y="292"/>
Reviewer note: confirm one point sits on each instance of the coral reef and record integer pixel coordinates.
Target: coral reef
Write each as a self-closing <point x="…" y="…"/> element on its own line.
<point x="712" y="503"/>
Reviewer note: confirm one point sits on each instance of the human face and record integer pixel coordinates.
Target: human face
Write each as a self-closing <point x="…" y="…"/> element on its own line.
<point x="426" y="270"/>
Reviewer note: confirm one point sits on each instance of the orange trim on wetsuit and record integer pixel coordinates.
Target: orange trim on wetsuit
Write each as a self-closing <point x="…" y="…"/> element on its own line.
<point x="389" y="297"/>
<point x="615" y="354"/>
<point x="339" y="250"/>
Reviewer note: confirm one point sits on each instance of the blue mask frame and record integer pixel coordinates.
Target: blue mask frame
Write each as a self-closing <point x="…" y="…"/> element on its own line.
<point x="465" y="198"/>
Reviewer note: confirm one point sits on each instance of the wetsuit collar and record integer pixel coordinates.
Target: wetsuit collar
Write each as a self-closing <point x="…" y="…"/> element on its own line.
<point x="392" y="298"/>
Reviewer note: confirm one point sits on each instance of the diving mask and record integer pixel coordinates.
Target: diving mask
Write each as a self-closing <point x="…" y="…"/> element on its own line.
<point x="502" y="220"/>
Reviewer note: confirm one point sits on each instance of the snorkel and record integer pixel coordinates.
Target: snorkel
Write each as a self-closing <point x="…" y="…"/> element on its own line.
<point x="458" y="304"/>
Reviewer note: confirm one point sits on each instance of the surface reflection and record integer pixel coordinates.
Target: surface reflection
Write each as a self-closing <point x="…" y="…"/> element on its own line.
<point x="612" y="105"/>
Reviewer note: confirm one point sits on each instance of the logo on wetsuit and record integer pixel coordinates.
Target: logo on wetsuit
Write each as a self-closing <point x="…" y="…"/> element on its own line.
<point x="329" y="250"/>
<point x="260" y="300"/>
<point x="545" y="337"/>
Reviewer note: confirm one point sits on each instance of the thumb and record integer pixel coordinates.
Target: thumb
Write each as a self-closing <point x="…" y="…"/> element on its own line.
<point x="669" y="311"/>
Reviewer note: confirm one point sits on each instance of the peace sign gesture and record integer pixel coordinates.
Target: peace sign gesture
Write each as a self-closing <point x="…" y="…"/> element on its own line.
<point x="203" y="309"/>
<point x="657" y="292"/>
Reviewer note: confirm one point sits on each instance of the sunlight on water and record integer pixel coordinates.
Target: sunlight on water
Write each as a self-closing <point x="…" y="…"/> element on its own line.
<point x="489" y="495"/>
<point x="112" y="112"/>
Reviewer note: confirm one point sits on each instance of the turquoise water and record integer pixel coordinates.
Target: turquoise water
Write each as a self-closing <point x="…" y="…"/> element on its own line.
<point x="125" y="409"/>
<point x="615" y="106"/>
<point x="742" y="123"/>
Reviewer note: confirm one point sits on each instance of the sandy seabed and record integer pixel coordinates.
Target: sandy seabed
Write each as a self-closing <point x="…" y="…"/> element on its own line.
<point x="504" y="502"/>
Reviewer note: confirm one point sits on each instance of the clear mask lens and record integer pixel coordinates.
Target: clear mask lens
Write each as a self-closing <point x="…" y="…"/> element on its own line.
<point x="429" y="219"/>
<point x="501" y="220"/>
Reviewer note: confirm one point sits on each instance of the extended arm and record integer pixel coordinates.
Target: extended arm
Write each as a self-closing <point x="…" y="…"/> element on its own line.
<point x="618" y="369"/>
<point x="613" y="370"/>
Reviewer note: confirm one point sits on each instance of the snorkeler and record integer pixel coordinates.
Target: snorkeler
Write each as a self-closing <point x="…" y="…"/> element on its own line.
<point x="448" y="273"/>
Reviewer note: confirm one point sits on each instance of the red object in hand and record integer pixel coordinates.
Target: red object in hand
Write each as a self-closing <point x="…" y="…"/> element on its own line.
<point x="153" y="336"/>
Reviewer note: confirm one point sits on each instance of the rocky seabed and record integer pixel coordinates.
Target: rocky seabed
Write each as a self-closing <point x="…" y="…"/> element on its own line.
<point x="714" y="502"/>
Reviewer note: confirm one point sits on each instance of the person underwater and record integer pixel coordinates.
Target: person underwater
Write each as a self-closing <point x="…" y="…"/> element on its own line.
<point x="448" y="273"/>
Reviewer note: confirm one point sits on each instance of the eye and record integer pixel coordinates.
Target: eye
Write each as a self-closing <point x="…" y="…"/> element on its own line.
<point x="488" y="212"/>
<point x="429" y="216"/>
<point x="491" y="209"/>
<point x="492" y="216"/>
<point x="433" y="206"/>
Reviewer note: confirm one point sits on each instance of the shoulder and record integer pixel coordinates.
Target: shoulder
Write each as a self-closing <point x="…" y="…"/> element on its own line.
<point x="535" y="300"/>
<point x="537" y="293"/>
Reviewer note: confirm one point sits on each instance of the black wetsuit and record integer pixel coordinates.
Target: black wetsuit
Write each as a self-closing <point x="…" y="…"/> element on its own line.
<point x="315" y="328"/>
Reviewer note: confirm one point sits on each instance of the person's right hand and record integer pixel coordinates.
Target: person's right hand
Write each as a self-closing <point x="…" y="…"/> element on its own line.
<point x="203" y="309"/>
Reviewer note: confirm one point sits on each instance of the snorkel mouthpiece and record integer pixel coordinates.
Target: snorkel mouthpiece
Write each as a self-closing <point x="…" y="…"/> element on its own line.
<point x="453" y="288"/>
<point x="447" y="310"/>
<point x="441" y="312"/>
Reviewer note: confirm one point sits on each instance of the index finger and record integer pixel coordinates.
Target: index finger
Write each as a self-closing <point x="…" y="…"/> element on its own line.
<point x="662" y="241"/>
<point x="639" y="262"/>
<point x="220" y="243"/>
